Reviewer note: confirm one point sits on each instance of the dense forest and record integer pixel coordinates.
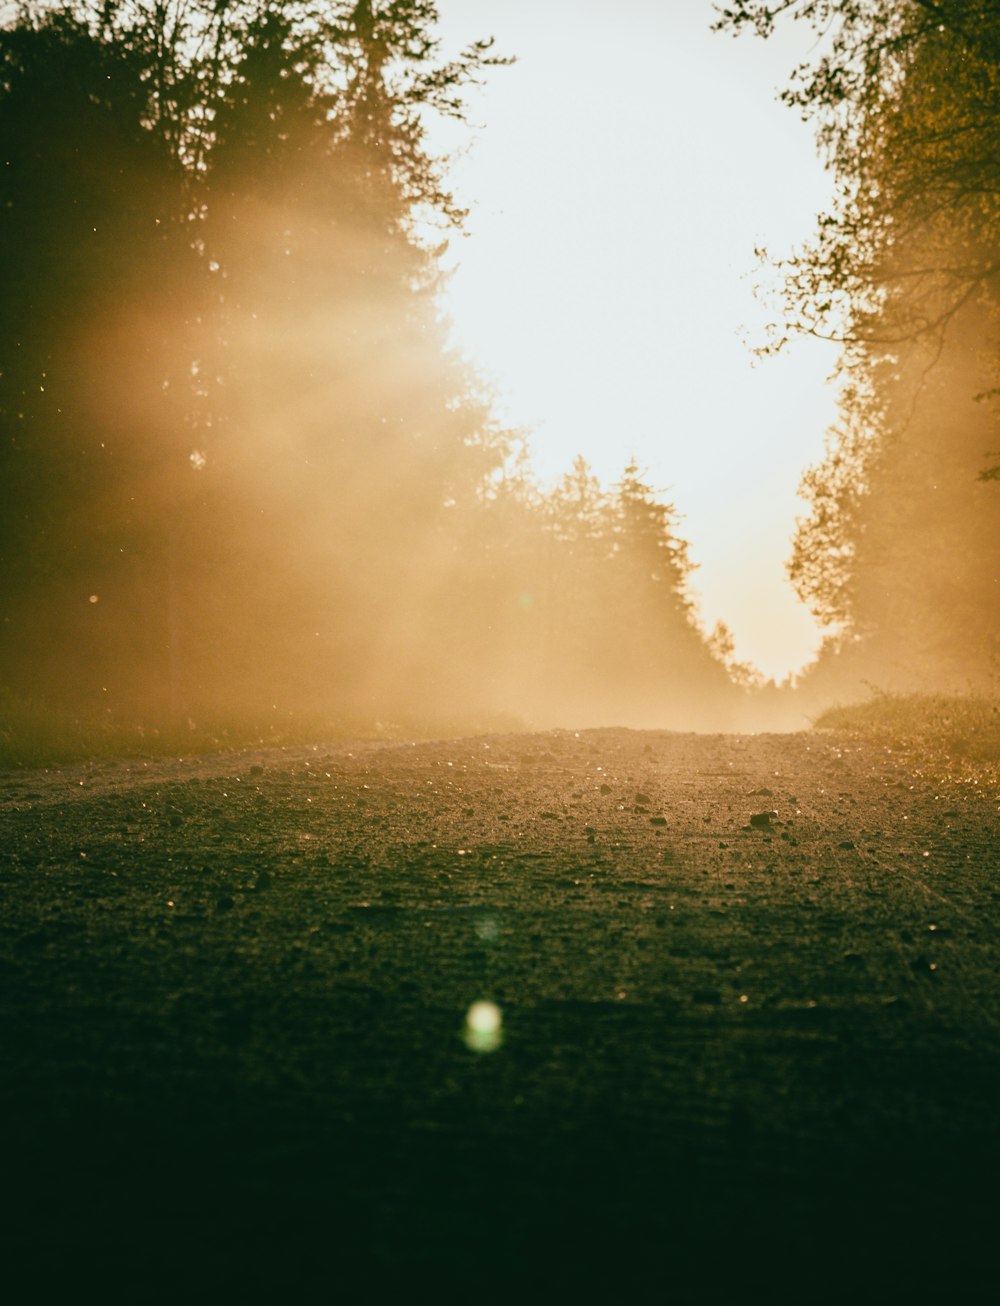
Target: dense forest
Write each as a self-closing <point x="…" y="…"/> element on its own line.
<point x="899" y="552"/>
<point x="244" y="472"/>
<point x="246" y="475"/>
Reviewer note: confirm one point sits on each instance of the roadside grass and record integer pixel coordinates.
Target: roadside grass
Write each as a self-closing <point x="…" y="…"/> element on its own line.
<point x="34" y="735"/>
<point x="945" y="729"/>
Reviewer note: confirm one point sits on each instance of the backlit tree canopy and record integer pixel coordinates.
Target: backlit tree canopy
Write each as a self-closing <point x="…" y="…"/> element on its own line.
<point x="900" y="546"/>
<point x="906" y="98"/>
<point x="243" y="467"/>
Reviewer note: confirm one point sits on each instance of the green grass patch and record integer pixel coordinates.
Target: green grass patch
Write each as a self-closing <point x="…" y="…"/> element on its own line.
<point x="964" y="728"/>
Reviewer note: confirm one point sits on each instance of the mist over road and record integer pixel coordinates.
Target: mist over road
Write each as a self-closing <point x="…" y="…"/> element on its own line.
<point x="749" y="1009"/>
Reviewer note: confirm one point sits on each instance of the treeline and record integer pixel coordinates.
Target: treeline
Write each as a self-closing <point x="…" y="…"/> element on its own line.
<point x="899" y="553"/>
<point x="242" y="470"/>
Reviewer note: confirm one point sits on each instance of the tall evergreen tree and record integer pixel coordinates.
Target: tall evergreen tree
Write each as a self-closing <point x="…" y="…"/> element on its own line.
<point x="98" y="269"/>
<point x="346" y="417"/>
<point x="223" y="358"/>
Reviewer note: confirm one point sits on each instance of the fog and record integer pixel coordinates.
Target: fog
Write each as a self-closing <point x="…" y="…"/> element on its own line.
<point x="249" y="484"/>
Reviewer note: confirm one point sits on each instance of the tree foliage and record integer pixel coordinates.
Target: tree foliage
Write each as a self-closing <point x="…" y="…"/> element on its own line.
<point x="899" y="548"/>
<point x="906" y="99"/>
<point x="825" y="545"/>
<point x="98" y="276"/>
<point x="242" y="465"/>
<point x="221" y="346"/>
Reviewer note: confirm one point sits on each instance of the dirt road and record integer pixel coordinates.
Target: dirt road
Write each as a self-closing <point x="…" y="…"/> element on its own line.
<point x="748" y="1045"/>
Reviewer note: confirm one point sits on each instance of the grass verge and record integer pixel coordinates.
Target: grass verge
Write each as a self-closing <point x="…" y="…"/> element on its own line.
<point x="944" y="728"/>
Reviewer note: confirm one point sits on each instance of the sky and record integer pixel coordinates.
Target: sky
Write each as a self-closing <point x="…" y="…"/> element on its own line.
<point x="619" y="178"/>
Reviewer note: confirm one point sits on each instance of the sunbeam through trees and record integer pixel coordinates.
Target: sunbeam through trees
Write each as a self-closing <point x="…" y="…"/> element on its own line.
<point x="248" y="476"/>
<point x="244" y="471"/>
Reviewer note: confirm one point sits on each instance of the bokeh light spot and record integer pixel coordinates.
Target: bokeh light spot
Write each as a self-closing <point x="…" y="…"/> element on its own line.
<point x="488" y="929"/>
<point x="483" y="1027"/>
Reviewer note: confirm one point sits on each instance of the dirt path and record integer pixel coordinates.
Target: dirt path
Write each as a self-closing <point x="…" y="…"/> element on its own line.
<point x="750" y="1040"/>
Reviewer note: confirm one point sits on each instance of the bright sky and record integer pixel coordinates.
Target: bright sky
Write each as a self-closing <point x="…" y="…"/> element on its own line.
<point x="624" y="171"/>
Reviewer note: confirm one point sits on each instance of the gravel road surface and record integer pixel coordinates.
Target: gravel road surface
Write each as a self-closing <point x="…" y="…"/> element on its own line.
<point x="742" y="1042"/>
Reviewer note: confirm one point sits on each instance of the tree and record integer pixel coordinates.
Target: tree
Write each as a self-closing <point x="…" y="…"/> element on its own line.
<point x="646" y="542"/>
<point x="98" y="267"/>
<point x="617" y="630"/>
<point x="897" y="550"/>
<point x="825" y="544"/>
<point x="651" y="604"/>
<point x="235" y="371"/>
<point x="343" y="413"/>
<point x="901" y="547"/>
<point x="907" y="104"/>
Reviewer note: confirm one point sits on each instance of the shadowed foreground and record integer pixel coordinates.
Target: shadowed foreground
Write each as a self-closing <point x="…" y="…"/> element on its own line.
<point x="739" y="1060"/>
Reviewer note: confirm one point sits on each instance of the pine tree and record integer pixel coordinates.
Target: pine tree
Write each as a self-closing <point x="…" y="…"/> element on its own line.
<point x="97" y="270"/>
